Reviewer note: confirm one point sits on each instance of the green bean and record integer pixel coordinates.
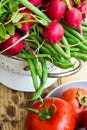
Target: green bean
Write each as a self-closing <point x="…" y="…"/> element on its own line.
<point x="84" y="23"/>
<point x="84" y="33"/>
<point x="84" y="29"/>
<point x="79" y="55"/>
<point x="62" y="63"/>
<point x="75" y="49"/>
<point x="22" y="55"/>
<point x="60" y="50"/>
<point x="76" y="34"/>
<point x="32" y="70"/>
<point x="70" y="36"/>
<point x="80" y="45"/>
<point x="36" y="64"/>
<point x="43" y="80"/>
<point x="46" y="46"/>
<point x="71" y="41"/>
<point x="42" y="48"/>
<point x="65" y="42"/>
<point x="49" y="49"/>
<point x="85" y="37"/>
<point x="37" y="68"/>
<point x="34" y="9"/>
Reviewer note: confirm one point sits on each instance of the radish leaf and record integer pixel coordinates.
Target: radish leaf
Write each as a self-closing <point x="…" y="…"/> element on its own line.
<point x="11" y="29"/>
<point x="7" y="36"/>
<point x="2" y="31"/>
<point x="13" y="5"/>
<point x="2" y="10"/>
<point x="16" y="17"/>
<point x="18" y="24"/>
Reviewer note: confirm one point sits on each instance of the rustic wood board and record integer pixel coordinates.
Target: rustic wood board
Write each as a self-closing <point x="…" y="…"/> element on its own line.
<point x="13" y="107"/>
<point x="13" y="104"/>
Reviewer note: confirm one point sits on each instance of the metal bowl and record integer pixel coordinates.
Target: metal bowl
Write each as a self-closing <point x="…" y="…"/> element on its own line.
<point x="14" y="75"/>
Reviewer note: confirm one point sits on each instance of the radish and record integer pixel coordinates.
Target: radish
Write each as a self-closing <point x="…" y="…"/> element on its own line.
<point x="83" y="8"/>
<point x="14" y="45"/>
<point x="8" y="46"/>
<point x="35" y="2"/>
<point x="74" y="18"/>
<point x="26" y="26"/>
<point x="53" y="32"/>
<point x="56" y="9"/>
<point x="44" y="4"/>
<point x="71" y="3"/>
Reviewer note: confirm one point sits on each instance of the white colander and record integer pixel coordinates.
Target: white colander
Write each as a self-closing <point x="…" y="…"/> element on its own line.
<point x="13" y="73"/>
<point x="18" y="66"/>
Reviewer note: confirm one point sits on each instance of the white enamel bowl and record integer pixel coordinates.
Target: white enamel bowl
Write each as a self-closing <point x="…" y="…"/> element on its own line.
<point x="13" y="74"/>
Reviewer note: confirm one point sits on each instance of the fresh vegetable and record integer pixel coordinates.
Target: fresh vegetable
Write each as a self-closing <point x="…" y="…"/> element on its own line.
<point x="85" y="120"/>
<point x="44" y="5"/>
<point x="83" y="8"/>
<point x="51" y="114"/>
<point x="26" y="25"/>
<point x="56" y="9"/>
<point x="45" y="39"/>
<point x="14" y="43"/>
<point x="77" y="98"/>
<point x="53" y="32"/>
<point x="71" y="3"/>
<point x="35" y="2"/>
<point x="74" y="18"/>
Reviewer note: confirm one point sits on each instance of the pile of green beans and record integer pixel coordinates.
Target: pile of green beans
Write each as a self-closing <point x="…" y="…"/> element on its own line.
<point x="75" y="45"/>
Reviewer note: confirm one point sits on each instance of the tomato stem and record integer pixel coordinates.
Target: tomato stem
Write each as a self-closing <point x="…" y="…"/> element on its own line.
<point x="46" y="113"/>
<point x="82" y="99"/>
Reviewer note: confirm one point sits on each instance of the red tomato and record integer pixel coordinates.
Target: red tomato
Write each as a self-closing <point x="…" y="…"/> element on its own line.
<point x="85" y="120"/>
<point x="71" y="96"/>
<point x="62" y="119"/>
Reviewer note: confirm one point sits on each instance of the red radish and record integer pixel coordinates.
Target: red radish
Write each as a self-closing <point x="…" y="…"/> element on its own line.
<point x="44" y="5"/>
<point x="74" y="18"/>
<point x="83" y="9"/>
<point x="71" y="3"/>
<point x="15" y="49"/>
<point x="26" y="26"/>
<point x="53" y="32"/>
<point x="56" y="9"/>
<point x="35" y="2"/>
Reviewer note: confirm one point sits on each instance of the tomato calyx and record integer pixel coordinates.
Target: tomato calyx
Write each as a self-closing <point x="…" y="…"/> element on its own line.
<point x="82" y="99"/>
<point x="46" y="113"/>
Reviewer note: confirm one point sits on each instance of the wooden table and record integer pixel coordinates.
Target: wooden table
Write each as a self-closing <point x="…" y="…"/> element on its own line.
<point x="13" y="104"/>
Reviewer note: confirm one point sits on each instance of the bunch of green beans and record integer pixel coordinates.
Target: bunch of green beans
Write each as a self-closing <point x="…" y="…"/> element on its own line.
<point x="74" y="38"/>
<point x="75" y="45"/>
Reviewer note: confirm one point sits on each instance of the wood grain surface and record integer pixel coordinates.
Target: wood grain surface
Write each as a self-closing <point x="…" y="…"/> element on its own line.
<point x="13" y="104"/>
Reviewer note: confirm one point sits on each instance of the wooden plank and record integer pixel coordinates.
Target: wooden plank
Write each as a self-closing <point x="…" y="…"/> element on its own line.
<point x="13" y="107"/>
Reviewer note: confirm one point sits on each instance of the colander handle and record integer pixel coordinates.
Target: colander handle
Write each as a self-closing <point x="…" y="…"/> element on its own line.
<point x="66" y="73"/>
